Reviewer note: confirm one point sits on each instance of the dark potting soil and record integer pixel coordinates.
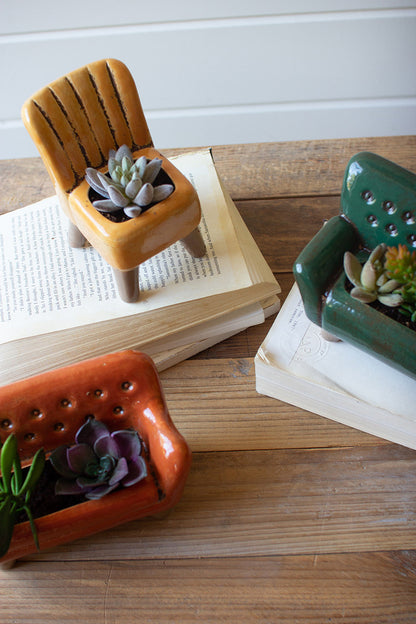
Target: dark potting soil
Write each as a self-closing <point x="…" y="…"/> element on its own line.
<point x="44" y="500"/>
<point x="392" y="313"/>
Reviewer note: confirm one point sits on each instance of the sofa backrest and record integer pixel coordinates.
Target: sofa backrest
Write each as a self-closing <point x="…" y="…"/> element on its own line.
<point x="379" y="198"/>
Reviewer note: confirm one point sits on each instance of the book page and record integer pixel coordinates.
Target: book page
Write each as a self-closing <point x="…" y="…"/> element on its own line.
<point x="46" y="286"/>
<point x="297" y="346"/>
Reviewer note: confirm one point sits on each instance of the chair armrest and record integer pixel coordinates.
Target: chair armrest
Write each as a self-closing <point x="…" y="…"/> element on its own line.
<point x="321" y="261"/>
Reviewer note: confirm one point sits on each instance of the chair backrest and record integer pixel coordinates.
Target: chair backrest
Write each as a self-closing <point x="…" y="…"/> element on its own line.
<point x="379" y="198"/>
<point x="77" y="119"/>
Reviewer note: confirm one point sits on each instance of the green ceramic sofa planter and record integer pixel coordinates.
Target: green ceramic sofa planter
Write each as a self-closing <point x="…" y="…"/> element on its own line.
<point x="378" y="205"/>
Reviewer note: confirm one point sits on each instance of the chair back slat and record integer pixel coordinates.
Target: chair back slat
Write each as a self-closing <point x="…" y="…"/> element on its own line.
<point x="55" y="112"/>
<point x="78" y="118"/>
<point x="113" y="126"/>
<point x="82" y="126"/>
<point x="94" y="110"/>
<point x="50" y="146"/>
<point x="126" y="91"/>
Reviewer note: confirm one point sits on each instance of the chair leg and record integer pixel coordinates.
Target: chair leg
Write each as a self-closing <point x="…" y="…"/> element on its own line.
<point x="128" y="284"/>
<point x="194" y="243"/>
<point x="75" y="238"/>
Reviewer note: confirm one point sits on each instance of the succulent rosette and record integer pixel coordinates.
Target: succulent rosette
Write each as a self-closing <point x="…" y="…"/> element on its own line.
<point x="371" y="281"/>
<point x="99" y="461"/>
<point x="130" y="185"/>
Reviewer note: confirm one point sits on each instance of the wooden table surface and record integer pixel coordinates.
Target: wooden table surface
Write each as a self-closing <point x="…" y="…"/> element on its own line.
<point x="286" y="517"/>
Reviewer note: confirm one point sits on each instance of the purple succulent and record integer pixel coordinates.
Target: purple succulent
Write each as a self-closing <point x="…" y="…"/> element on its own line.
<point x="99" y="462"/>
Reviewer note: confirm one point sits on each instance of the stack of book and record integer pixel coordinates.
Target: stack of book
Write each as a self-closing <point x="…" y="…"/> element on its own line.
<point x="298" y="365"/>
<point x="59" y="305"/>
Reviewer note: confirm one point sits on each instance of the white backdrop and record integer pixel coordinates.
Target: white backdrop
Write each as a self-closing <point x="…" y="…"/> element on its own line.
<point x="224" y="71"/>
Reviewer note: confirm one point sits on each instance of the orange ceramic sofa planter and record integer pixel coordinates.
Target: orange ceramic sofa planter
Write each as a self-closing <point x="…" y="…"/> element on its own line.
<point x="123" y="391"/>
<point x="74" y="122"/>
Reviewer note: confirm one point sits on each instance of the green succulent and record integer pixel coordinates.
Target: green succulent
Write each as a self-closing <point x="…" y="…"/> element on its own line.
<point x="16" y="492"/>
<point x="130" y="185"/>
<point x="371" y="281"/>
<point x="408" y="307"/>
<point x="401" y="265"/>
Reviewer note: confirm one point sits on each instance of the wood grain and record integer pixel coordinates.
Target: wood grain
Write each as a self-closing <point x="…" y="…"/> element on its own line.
<point x="246" y="420"/>
<point x="282" y="227"/>
<point x="251" y="171"/>
<point x="301" y="168"/>
<point x="276" y="502"/>
<point x="375" y="588"/>
<point x="287" y="516"/>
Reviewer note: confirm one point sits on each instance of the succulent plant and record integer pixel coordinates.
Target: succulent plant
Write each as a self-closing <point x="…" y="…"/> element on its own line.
<point x="401" y="265"/>
<point x="99" y="462"/>
<point x="371" y="281"/>
<point x="130" y="186"/>
<point x="16" y="491"/>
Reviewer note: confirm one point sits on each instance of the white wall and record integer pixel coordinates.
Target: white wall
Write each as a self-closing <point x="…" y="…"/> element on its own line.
<point x="224" y="71"/>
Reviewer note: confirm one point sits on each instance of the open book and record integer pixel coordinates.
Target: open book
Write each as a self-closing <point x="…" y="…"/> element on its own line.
<point x="59" y="305"/>
<point x="334" y="379"/>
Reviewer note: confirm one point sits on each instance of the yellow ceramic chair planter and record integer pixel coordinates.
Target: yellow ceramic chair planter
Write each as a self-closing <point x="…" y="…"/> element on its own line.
<point x="74" y="122"/>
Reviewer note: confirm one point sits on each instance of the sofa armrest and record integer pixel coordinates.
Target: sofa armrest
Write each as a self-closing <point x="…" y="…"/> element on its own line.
<point x="321" y="261"/>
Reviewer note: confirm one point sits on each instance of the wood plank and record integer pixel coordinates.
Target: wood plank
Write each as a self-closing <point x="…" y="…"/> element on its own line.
<point x="282" y="227"/>
<point x="301" y="168"/>
<point x="23" y="182"/>
<point x="250" y="75"/>
<point x="96" y="12"/>
<point x="263" y="123"/>
<point x="283" y="502"/>
<point x="252" y="171"/>
<point x="375" y="588"/>
<point x="286" y="516"/>
<point x="215" y="405"/>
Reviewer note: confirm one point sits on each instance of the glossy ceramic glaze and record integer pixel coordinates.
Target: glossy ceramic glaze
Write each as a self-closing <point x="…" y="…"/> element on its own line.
<point x="378" y="205"/>
<point x="378" y="197"/>
<point x="123" y="390"/>
<point x="371" y="330"/>
<point x="128" y="244"/>
<point x="74" y="122"/>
